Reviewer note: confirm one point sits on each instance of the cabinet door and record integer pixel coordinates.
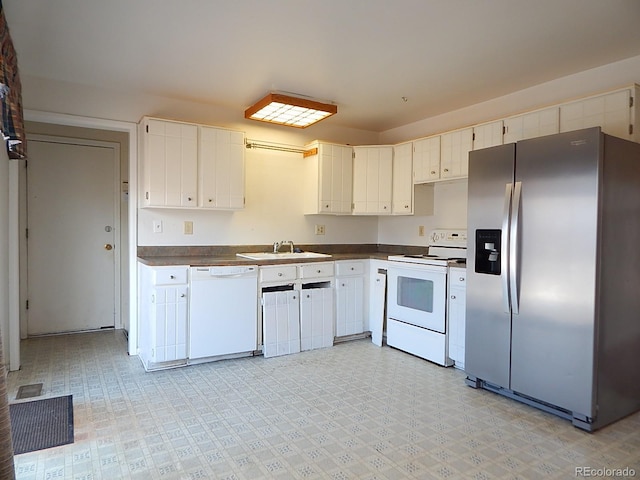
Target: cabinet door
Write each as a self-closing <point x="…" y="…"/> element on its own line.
<point x="170" y="164"/>
<point x="531" y="125"/>
<point x="487" y="135"/>
<point x="221" y="163"/>
<point x="372" y="180"/>
<point x="349" y="306"/>
<point x="611" y="111"/>
<point x="169" y="324"/>
<point x="402" y="190"/>
<point x="455" y="148"/>
<point x="457" y="325"/>
<point x="336" y="178"/>
<point x="426" y="159"/>
<point x="280" y="323"/>
<point x="316" y="318"/>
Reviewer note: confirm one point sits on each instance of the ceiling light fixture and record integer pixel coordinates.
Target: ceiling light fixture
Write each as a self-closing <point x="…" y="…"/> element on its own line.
<point x="288" y="110"/>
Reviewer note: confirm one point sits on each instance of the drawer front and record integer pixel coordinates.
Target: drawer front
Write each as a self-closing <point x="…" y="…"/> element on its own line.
<point x="278" y="273"/>
<point x="349" y="268"/>
<point x="169" y="275"/>
<point x="316" y="270"/>
<point x="457" y="277"/>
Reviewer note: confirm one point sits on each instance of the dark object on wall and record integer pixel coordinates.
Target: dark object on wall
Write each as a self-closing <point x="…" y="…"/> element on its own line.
<point x="12" y="126"/>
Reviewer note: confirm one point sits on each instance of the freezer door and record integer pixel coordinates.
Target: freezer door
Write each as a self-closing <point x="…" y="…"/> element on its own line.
<point x="552" y="356"/>
<point x="488" y="327"/>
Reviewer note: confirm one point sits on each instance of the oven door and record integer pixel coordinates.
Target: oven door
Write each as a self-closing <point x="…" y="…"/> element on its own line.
<point x="417" y="295"/>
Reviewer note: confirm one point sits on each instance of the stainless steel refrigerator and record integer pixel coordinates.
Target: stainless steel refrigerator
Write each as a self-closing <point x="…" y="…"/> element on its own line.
<point x="553" y="293"/>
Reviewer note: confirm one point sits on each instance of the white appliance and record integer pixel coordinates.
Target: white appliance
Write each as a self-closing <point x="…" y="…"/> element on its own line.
<point x="223" y="314"/>
<point x="417" y="297"/>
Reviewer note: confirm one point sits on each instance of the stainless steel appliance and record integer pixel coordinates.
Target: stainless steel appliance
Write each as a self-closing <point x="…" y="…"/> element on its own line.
<point x="417" y="297"/>
<point x="553" y="274"/>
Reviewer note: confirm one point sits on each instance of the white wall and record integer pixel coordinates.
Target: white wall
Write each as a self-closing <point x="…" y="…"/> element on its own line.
<point x="273" y="212"/>
<point x="450" y="200"/>
<point x="608" y="77"/>
<point x="274" y="200"/>
<point x="4" y="250"/>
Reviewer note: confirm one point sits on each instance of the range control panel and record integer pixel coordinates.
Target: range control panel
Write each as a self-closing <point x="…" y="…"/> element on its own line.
<point x="448" y="237"/>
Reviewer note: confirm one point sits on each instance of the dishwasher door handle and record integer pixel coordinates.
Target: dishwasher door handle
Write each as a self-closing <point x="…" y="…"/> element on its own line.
<point x="233" y="275"/>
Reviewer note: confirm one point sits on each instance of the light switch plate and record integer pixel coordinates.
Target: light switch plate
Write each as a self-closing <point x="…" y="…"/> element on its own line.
<point x="157" y="226"/>
<point x="188" y="227"/>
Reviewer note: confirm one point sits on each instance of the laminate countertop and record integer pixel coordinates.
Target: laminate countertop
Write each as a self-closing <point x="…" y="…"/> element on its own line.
<point x="210" y="256"/>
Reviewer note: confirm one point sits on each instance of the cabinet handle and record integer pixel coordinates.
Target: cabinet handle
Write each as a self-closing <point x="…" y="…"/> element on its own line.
<point x="189" y="198"/>
<point x="453" y="297"/>
<point x="318" y="271"/>
<point x="406" y="206"/>
<point x="353" y="268"/>
<point x="172" y="277"/>
<point x="461" y="279"/>
<point x="433" y="172"/>
<point x="343" y="284"/>
<point x="182" y="296"/>
<point x="326" y="206"/>
<point x="210" y="200"/>
<point x="308" y="296"/>
<point x="279" y="274"/>
<point x="446" y="169"/>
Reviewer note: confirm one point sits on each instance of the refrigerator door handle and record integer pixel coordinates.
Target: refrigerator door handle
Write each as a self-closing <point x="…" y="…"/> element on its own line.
<point x="513" y="247"/>
<point x="504" y="258"/>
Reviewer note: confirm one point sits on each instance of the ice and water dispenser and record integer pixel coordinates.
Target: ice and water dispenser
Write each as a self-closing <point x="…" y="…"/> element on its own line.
<point x="488" y="248"/>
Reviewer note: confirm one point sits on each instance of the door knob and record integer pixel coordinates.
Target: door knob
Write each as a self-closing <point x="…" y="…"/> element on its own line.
<point x="108" y="246"/>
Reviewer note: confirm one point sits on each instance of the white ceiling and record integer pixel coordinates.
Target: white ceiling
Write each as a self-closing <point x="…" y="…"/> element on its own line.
<point x="364" y="55"/>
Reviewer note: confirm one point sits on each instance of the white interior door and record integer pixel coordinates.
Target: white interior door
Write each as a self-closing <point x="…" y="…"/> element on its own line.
<point x="71" y="220"/>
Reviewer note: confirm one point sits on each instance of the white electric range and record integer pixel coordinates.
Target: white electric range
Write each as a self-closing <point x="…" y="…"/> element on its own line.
<point x="417" y="296"/>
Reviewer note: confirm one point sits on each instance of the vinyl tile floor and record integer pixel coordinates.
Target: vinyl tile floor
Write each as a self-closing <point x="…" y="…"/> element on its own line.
<point x="353" y="411"/>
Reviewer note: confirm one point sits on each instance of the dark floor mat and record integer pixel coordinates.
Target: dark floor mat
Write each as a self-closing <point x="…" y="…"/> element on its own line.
<point x="41" y="424"/>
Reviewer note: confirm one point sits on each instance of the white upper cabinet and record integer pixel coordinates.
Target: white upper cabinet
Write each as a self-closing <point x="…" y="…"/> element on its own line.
<point x="329" y="178"/>
<point x="372" y="180"/>
<point x="402" y="185"/>
<point x="614" y="112"/>
<point x="487" y="134"/>
<point x="454" y="153"/>
<point x="221" y="168"/>
<point x="191" y="166"/>
<point x="426" y="159"/>
<point x="532" y="124"/>
<point x="169" y="153"/>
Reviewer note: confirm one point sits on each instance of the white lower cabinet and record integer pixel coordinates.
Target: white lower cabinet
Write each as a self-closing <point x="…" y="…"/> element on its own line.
<point x="316" y="318"/>
<point x="281" y="323"/>
<point x="163" y="316"/>
<point x="350" y="299"/>
<point x="457" y="314"/>
<point x="297" y="307"/>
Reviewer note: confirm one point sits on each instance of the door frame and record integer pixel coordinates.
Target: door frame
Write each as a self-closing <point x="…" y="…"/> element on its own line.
<point x="14" y="204"/>
<point x="115" y="148"/>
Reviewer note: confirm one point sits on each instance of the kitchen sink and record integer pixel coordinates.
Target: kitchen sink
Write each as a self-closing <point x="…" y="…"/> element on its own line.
<point x="281" y="255"/>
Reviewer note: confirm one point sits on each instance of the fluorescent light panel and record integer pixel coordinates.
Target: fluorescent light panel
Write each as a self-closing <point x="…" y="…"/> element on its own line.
<point x="291" y="111"/>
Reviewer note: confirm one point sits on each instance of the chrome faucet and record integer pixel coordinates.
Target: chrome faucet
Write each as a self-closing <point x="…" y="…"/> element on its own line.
<point x="288" y="242"/>
<point x="277" y="245"/>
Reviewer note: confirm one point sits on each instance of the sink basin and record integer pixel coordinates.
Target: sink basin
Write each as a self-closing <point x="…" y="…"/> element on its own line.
<point x="281" y="255"/>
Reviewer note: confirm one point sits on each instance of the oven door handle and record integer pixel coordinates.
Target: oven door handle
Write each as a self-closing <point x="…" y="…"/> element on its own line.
<point x="504" y="254"/>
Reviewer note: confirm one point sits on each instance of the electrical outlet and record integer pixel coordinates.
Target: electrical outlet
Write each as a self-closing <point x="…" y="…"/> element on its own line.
<point x="421" y="231"/>
<point x="157" y="226"/>
<point x="188" y="227"/>
<point x="319" y="229"/>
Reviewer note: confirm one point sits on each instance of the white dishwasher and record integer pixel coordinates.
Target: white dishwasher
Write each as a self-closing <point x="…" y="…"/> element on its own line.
<point x="223" y="311"/>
